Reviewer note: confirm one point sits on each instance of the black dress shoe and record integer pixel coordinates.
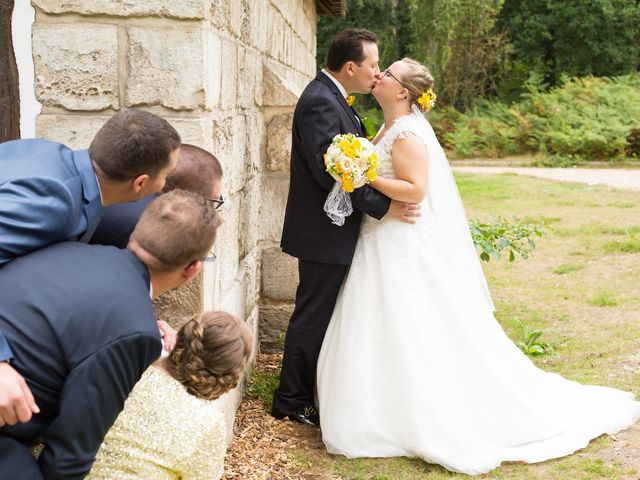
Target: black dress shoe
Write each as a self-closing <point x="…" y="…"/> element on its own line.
<point x="307" y="415"/>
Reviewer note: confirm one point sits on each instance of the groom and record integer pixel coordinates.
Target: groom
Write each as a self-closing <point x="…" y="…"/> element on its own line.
<point x="324" y="250"/>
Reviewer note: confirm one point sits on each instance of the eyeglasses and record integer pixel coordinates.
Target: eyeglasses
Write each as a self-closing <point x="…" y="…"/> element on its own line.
<point x="218" y="202"/>
<point x="209" y="258"/>
<point x="387" y="73"/>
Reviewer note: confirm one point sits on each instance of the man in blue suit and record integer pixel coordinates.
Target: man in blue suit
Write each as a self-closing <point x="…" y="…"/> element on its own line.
<point x="197" y="171"/>
<point x="50" y="193"/>
<point x="81" y="329"/>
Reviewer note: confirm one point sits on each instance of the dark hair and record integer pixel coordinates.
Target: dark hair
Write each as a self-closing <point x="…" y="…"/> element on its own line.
<point x="176" y="229"/>
<point x="131" y="143"/>
<point x="197" y="171"/>
<point x="211" y="353"/>
<point x="347" y="47"/>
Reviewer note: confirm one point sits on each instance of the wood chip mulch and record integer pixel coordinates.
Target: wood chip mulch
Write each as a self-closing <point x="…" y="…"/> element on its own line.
<point x="263" y="447"/>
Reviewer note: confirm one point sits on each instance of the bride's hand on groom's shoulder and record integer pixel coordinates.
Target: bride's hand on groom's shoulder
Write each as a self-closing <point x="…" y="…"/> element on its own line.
<point x="16" y="401"/>
<point x="406" y="212"/>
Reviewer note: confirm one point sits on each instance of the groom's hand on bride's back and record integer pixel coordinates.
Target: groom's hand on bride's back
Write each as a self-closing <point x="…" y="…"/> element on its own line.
<point x="406" y="212"/>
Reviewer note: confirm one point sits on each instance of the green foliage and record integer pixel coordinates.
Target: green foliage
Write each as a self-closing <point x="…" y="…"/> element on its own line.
<point x="568" y="268"/>
<point x="529" y="341"/>
<point x="604" y="300"/>
<point x="262" y="386"/>
<point x="514" y="237"/>
<point x="572" y="37"/>
<point x="586" y="119"/>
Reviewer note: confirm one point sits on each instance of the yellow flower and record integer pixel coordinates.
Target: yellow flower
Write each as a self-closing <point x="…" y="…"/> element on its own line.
<point x="427" y="100"/>
<point x="344" y="144"/>
<point x="347" y="183"/>
<point x="356" y="144"/>
<point x="371" y="174"/>
<point x="350" y="99"/>
<point x="349" y="152"/>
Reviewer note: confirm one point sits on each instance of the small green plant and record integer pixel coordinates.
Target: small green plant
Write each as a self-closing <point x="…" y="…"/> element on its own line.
<point x="568" y="268"/>
<point x="493" y="239"/>
<point x="530" y="342"/>
<point x="262" y="386"/>
<point x="605" y="300"/>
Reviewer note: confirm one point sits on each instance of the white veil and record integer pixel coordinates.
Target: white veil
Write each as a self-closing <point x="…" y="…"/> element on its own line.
<point x="446" y="204"/>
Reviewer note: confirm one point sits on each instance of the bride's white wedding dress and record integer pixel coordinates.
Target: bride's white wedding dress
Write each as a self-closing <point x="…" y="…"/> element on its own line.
<point x="414" y="363"/>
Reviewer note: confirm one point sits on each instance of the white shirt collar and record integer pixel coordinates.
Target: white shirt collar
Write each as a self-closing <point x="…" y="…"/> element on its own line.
<point x="338" y="84"/>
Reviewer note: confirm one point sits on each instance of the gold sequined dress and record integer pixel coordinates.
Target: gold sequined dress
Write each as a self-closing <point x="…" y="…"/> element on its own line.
<point x="163" y="432"/>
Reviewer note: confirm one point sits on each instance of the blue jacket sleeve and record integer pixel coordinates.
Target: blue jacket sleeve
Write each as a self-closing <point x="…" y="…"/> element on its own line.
<point x="92" y="396"/>
<point x="5" y="350"/>
<point x="34" y="213"/>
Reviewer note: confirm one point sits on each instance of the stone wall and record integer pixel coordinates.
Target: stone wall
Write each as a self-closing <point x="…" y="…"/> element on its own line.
<point x="225" y="73"/>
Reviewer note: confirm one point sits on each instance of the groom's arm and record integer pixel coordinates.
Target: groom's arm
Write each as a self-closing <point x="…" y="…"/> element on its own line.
<point x="319" y="122"/>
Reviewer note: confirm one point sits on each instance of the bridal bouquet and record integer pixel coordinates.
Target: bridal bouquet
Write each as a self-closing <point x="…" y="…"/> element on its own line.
<point x="352" y="162"/>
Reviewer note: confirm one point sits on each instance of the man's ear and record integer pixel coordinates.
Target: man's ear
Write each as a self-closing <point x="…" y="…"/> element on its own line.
<point x="139" y="182"/>
<point x="191" y="270"/>
<point x="350" y="68"/>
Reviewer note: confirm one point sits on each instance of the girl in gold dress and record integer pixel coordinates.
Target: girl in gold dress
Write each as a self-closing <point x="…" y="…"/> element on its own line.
<point x="169" y="427"/>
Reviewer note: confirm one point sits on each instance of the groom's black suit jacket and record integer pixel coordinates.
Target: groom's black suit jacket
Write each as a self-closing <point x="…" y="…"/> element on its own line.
<point x="320" y="114"/>
<point x="82" y="328"/>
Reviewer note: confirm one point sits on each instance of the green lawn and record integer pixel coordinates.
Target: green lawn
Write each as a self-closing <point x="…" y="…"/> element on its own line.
<point x="581" y="287"/>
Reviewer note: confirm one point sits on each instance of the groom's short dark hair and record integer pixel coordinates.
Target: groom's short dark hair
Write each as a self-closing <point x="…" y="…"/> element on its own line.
<point x="347" y="47"/>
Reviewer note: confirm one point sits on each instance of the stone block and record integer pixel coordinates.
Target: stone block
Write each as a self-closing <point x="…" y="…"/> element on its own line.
<point x="248" y="218"/>
<point x="274" y="189"/>
<point x="273" y="323"/>
<point x="75" y="131"/>
<point x="166" y="67"/>
<point x="214" y="69"/>
<point x="228" y="245"/>
<point x="76" y="65"/>
<point x="278" y="90"/>
<point x="236" y="16"/>
<point x="229" y="145"/>
<point x="176" y="307"/>
<point x="187" y="9"/>
<point x="255" y="28"/>
<point x="192" y="130"/>
<point x="279" y="143"/>
<point x="279" y="275"/>
<point x="229" y="75"/>
<point x="249" y="77"/>
<point x="253" y="156"/>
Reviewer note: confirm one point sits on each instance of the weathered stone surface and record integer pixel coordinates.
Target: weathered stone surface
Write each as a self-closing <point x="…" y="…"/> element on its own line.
<point x="221" y="14"/>
<point x="254" y="31"/>
<point x="279" y="143"/>
<point x="192" y="130"/>
<point x="229" y="75"/>
<point x="229" y="144"/>
<point x="227" y="246"/>
<point x="249" y="211"/>
<point x="176" y="307"/>
<point x="279" y="274"/>
<point x="214" y="69"/>
<point x="74" y="131"/>
<point x="249" y="77"/>
<point x="274" y="320"/>
<point x="277" y="89"/>
<point x="274" y="189"/>
<point x="166" y="67"/>
<point x="126" y="8"/>
<point x="76" y="65"/>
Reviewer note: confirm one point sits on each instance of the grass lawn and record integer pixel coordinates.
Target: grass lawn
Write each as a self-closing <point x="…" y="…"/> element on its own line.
<point x="581" y="287"/>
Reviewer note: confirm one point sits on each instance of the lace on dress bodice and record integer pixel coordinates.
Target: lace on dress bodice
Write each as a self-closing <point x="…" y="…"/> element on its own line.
<point x="401" y="127"/>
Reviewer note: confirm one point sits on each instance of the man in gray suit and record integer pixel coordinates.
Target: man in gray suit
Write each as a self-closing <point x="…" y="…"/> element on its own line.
<point x="79" y="327"/>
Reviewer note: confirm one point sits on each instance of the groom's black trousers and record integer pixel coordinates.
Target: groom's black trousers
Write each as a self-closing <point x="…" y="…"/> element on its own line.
<point x="315" y="298"/>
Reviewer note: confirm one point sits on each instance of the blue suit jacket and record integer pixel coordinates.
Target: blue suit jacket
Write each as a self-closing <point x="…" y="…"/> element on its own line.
<point x="82" y="328"/>
<point x="118" y="221"/>
<point x="48" y="193"/>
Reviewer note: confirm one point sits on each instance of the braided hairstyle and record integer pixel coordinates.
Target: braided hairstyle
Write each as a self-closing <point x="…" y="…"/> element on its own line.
<point x="211" y="353"/>
<point x="417" y="80"/>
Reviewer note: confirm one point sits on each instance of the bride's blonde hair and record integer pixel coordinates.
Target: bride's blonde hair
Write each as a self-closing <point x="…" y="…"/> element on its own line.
<point x="211" y="353"/>
<point x="417" y="80"/>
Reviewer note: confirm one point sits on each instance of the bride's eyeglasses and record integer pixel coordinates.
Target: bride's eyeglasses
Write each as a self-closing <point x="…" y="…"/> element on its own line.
<point x="387" y="73"/>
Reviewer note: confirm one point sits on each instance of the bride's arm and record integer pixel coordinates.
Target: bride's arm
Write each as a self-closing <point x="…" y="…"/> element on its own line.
<point x="410" y="162"/>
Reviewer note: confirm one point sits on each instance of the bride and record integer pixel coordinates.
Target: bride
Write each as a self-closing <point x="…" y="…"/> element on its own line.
<point x="413" y="362"/>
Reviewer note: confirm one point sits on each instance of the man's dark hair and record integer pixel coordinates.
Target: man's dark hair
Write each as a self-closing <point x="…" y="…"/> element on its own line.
<point x="347" y="47"/>
<point x="131" y="143"/>
<point x="197" y="171"/>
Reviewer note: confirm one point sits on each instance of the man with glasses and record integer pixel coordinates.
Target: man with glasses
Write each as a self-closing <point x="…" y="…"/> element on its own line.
<point x="197" y="171"/>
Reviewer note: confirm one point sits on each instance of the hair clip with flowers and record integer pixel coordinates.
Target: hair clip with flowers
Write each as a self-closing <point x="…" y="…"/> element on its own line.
<point x="427" y="100"/>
